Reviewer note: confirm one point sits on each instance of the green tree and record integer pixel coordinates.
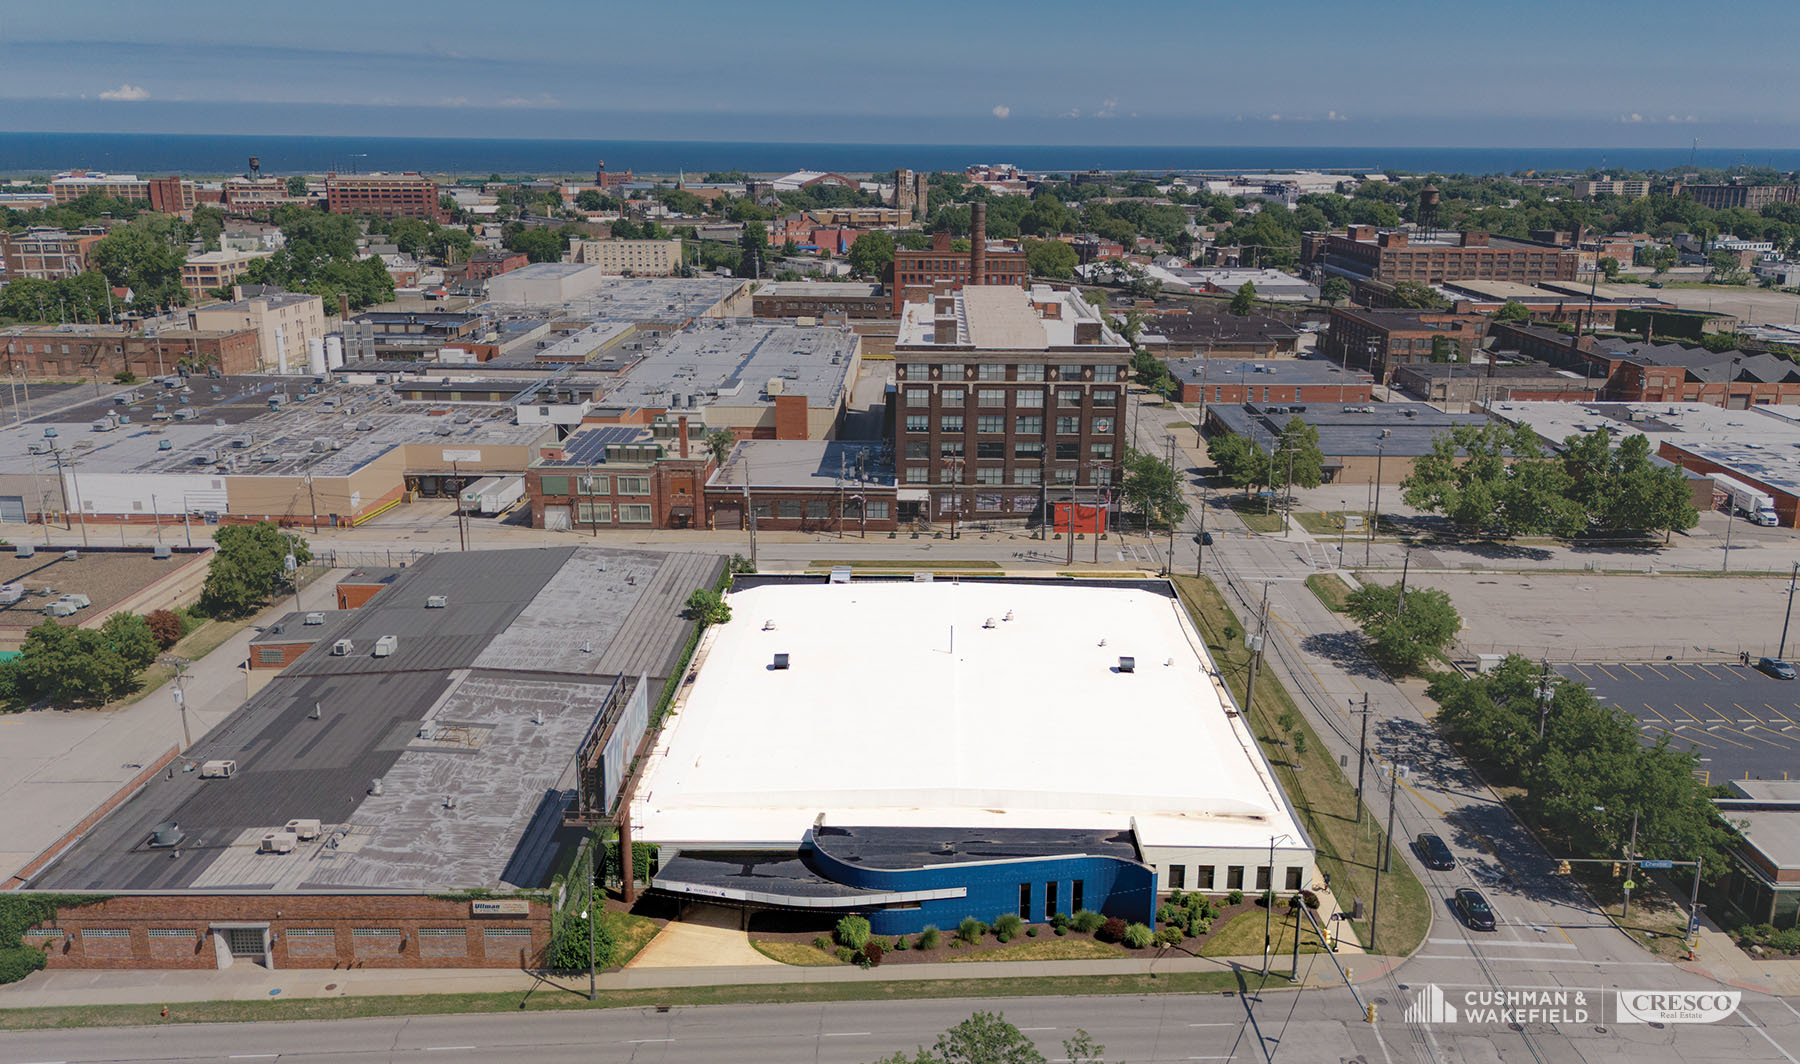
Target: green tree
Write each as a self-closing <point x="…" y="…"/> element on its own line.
<point x="296" y="186"/>
<point x="410" y="235"/>
<point x="1335" y="290"/>
<point x="872" y="254"/>
<point x="208" y="225"/>
<point x="753" y="248"/>
<point x="1153" y="488"/>
<point x="128" y="635"/>
<point x="1411" y="295"/>
<point x="1494" y="479"/>
<point x="539" y="243"/>
<point x="1298" y="459"/>
<point x="1240" y="461"/>
<point x="1404" y="632"/>
<point x="1244" y="302"/>
<point x="249" y="566"/>
<point x="708" y="607"/>
<point x="1622" y="490"/>
<point x="1609" y="266"/>
<point x="986" y="1038"/>
<point x="1050" y="258"/>
<point x="719" y="443"/>
<point x="569" y="944"/>
<point x="144" y="259"/>
<point x="1513" y="311"/>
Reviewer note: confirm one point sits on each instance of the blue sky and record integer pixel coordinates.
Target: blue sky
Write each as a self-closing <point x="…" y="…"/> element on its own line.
<point x="1570" y="73"/>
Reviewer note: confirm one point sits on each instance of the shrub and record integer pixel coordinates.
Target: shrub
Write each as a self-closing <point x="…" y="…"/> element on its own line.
<point x="1236" y="897"/>
<point x="1113" y="930"/>
<point x="971" y="930"/>
<point x="17" y="962"/>
<point x="1198" y="925"/>
<point x="1008" y="925"/>
<point x="1169" y="936"/>
<point x="1166" y="911"/>
<point x="853" y="931"/>
<point x="1138" y="936"/>
<point x="1031" y="932"/>
<point x="824" y="944"/>
<point x="900" y="945"/>
<point x="870" y="957"/>
<point x="1061" y="931"/>
<point x="845" y="954"/>
<point x="1087" y="921"/>
<point x="1787" y="940"/>
<point x="165" y="627"/>
<point x="569" y="945"/>
<point x="1059" y="920"/>
<point x="1177" y="899"/>
<point x="1267" y="899"/>
<point x="928" y="938"/>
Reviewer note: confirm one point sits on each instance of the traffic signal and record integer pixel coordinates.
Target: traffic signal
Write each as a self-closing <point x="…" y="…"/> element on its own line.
<point x="1369" y="1012"/>
<point x="1618" y="869"/>
<point x="1562" y="868"/>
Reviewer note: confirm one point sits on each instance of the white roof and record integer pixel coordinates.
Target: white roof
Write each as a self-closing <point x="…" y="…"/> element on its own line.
<point x="1028" y="724"/>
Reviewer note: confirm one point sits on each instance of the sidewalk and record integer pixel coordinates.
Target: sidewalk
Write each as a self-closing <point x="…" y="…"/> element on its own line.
<point x="1717" y="957"/>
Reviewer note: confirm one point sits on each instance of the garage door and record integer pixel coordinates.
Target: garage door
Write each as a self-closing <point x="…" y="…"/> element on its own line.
<point x="556" y="518"/>
<point x="12" y="507"/>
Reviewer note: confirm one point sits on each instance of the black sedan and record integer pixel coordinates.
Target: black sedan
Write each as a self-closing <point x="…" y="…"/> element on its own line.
<point x="1434" y="853"/>
<point x="1474" y="909"/>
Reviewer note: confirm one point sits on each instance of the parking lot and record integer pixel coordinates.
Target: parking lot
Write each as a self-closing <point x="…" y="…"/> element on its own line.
<point x="1741" y="722"/>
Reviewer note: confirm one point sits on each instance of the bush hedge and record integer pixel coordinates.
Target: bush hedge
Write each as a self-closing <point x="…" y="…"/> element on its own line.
<point x="929" y="936"/>
<point x="853" y="931"/>
<point x="1112" y="930"/>
<point x="1138" y="936"/>
<point x="1086" y="921"/>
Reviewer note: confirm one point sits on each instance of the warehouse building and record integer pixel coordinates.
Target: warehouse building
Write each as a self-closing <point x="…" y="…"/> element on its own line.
<point x="1361" y="444"/>
<point x="431" y="748"/>
<point x="765" y="792"/>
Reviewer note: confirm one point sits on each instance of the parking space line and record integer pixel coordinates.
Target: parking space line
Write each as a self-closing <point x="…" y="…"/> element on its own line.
<point x="1634" y="675"/>
<point x="1684" y="672"/>
<point x="1653" y="709"/>
<point x="1655" y="670"/>
<point x="1608" y="672"/>
<point x="1578" y="669"/>
<point x="1782" y="715"/>
<point x="1709" y="672"/>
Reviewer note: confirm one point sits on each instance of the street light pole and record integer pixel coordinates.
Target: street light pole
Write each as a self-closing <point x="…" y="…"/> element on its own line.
<point x="1630" y="857"/>
<point x="1781" y="651"/>
<point x="1269" y="909"/>
<point x="1375" y="518"/>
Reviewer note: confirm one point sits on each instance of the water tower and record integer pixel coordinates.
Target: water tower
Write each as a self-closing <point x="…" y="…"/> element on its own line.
<point x="1427" y="213"/>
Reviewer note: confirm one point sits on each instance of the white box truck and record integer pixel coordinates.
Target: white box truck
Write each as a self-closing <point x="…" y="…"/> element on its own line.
<point x="492" y="495"/>
<point x="1758" y="506"/>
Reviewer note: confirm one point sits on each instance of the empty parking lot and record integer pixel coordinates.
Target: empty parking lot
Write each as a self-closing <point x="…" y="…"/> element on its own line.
<point x="1741" y="722"/>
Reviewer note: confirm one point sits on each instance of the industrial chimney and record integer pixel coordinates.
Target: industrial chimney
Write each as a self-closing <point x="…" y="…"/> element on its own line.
<point x="978" y="243"/>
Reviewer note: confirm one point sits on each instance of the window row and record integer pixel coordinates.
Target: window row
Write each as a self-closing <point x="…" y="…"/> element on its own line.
<point x="1022" y="397"/>
<point x="1205" y="878"/>
<point x="819" y="509"/>
<point x="593" y="485"/>
<point x="1018" y="476"/>
<point x="996" y="450"/>
<point x="1023" y="425"/>
<point x="601" y="513"/>
<point x="996" y="371"/>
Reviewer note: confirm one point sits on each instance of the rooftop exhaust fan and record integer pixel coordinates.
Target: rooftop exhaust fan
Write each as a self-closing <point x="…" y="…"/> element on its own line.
<point x="781" y="661"/>
<point x="1127" y="664"/>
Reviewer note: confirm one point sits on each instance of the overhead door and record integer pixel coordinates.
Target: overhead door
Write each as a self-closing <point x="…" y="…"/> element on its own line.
<point x="12" y="508"/>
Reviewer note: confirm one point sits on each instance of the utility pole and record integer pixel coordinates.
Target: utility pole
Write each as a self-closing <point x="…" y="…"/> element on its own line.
<point x="1543" y="692"/>
<point x="1630" y="867"/>
<point x="1405" y="564"/>
<point x="462" y="537"/>
<point x="1375" y="518"/>
<point x="1725" y="562"/>
<point x="749" y="511"/>
<point x="1362" y="758"/>
<point x="1200" y="539"/>
<point x="1781" y="651"/>
<point x="1255" y="645"/>
<point x="1175" y="486"/>
<point x="1386" y="847"/>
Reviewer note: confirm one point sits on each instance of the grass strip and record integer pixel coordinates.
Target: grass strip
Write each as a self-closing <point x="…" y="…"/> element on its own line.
<point x="1331" y="589"/>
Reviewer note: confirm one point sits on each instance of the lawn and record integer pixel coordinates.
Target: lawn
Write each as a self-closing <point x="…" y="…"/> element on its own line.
<point x="1051" y="949"/>
<point x="631" y="933"/>
<point x="551" y="996"/>
<point x="1325" y="799"/>
<point x="1242" y="935"/>
<point x="1250" y="511"/>
<point x="1331" y="589"/>
<point x="800" y="954"/>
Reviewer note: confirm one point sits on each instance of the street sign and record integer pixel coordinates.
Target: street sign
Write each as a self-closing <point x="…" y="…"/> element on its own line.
<point x="1656" y="864"/>
<point x="1630" y="884"/>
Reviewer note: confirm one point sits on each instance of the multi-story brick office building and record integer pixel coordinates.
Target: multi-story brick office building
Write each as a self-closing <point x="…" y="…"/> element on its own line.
<point x="637" y="258"/>
<point x="1749" y="197"/>
<point x="1005" y="396"/>
<point x="918" y="274"/>
<point x="87" y="350"/>
<point x="621" y="477"/>
<point x="47" y="254"/>
<point x="169" y="195"/>
<point x="1379" y="340"/>
<point x="1390" y="256"/>
<point x="408" y="195"/>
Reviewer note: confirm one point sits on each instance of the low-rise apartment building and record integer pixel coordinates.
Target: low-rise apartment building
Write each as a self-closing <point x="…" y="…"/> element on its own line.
<point x="637" y="258"/>
<point x="47" y="254"/>
<point x="209" y="271"/>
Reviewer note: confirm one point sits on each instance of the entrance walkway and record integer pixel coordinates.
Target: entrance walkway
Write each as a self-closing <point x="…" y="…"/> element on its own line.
<point x="706" y="936"/>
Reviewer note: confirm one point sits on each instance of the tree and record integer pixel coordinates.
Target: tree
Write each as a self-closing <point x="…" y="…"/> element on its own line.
<point x="143" y="259"/>
<point x="165" y="627"/>
<point x="753" y="246"/>
<point x="1609" y="266"/>
<point x="1152" y="488"/>
<point x="1404" y="633"/>
<point x="986" y="1038"/>
<point x="1622" y="490"/>
<point x="540" y="244"/>
<point x="1298" y="459"/>
<point x="1240" y="461"/>
<point x="569" y="944"/>
<point x="250" y="565"/>
<point x="1335" y="290"/>
<point x="708" y="607"/>
<point x="1494" y="479"/>
<point x="1411" y="295"/>
<point x="1244" y="302"/>
<point x="1513" y="311"/>
<point x="296" y="186"/>
<point x="1724" y="267"/>
<point x="1050" y="258"/>
<point x="719" y="443"/>
<point x="872" y="254"/>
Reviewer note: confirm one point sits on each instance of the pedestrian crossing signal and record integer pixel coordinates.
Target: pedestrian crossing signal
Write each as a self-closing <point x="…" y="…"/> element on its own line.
<point x="1618" y="869"/>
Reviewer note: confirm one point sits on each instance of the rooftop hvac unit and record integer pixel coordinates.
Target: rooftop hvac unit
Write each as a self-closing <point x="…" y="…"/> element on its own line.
<point x="161" y="551"/>
<point x="165" y="445"/>
<point x="71" y="555"/>
<point x="59" y="608"/>
<point x="341" y="648"/>
<point x="25" y="550"/>
<point x="375" y="785"/>
<point x="166" y="835"/>
<point x="307" y="829"/>
<point x="1127" y="664"/>
<point x="315" y="618"/>
<point x="278" y="842"/>
<point x="781" y="662"/>
<point x="386" y="645"/>
<point x="437" y="602"/>
<point x="218" y="770"/>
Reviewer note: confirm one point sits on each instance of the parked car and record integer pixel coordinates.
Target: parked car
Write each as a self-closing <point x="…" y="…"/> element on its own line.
<point x="1777" y="668"/>
<point x="1434" y="853"/>
<point x="1473" y="907"/>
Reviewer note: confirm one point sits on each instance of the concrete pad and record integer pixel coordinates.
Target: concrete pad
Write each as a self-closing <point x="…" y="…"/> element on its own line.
<point x="705" y="936"/>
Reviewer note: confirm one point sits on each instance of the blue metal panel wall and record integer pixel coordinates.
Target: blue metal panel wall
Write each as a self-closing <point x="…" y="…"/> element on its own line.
<point x="1110" y="886"/>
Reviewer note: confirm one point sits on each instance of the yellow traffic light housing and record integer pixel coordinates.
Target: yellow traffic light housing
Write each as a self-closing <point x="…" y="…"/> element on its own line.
<point x="1618" y="869"/>
<point x="1562" y="868"/>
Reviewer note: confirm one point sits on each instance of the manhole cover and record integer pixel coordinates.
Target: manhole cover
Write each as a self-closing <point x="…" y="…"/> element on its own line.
<point x="1599" y="1029"/>
<point x="1655" y="1025"/>
<point x="331" y="986"/>
<point x="1515" y="1027"/>
<point x="1381" y="1001"/>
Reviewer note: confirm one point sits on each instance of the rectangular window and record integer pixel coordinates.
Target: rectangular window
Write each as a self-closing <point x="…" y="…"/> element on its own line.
<point x="595" y="513"/>
<point x="1069" y="372"/>
<point x="554" y="485"/>
<point x="1031" y="372"/>
<point x="1027" y="476"/>
<point x="918" y="474"/>
<point x="1068" y="452"/>
<point x="950" y="423"/>
<point x="1068" y="397"/>
<point x="990" y="475"/>
<point x="953" y="397"/>
<point x="1218" y="395"/>
<point x="918" y="423"/>
<point x="1234" y="877"/>
<point x="634" y="485"/>
<point x="106" y="932"/>
<point x="991" y="397"/>
<point x="374" y="932"/>
<point x="951" y="448"/>
<point x="1068" y="426"/>
<point x="1028" y="426"/>
<point x="1293" y="878"/>
<point x="789" y="508"/>
<point x="817" y="509"/>
<point x="1065" y="476"/>
<point x="918" y="397"/>
<point x="1262" y="877"/>
<point x="1103" y="475"/>
<point x="1050" y="899"/>
<point x="1030" y="397"/>
<point x="917" y="451"/>
<point x="1075" y="897"/>
<point x="990" y="449"/>
<point x="1177" y="876"/>
<point x="917" y="371"/>
<point x="990" y="423"/>
<point x="1032" y="450"/>
<point x="991" y="371"/>
<point x="173" y="932"/>
<point x="634" y="513"/>
<point x="878" y="511"/>
<point x="1100" y="450"/>
<point x="1203" y="877"/>
<point x="1105" y="397"/>
<point x="762" y="509"/>
<point x="593" y="485"/>
<point x="1024" y="901"/>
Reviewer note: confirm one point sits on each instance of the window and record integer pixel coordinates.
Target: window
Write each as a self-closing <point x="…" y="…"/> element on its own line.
<point x="1068" y="452"/>
<point x="269" y="655"/>
<point x="634" y="485"/>
<point x="918" y="474"/>
<point x="1069" y="372"/>
<point x="990" y="475"/>
<point x="593" y="513"/>
<point x="953" y="397"/>
<point x="1050" y="899"/>
<point x="918" y="397"/>
<point x="789" y="508"/>
<point x="1234" y="877"/>
<point x="1177" y="876"/>
<point x="1030" y="397"/>
<point x="1075" y="897"/>
<point x="174" y="932"/>
<point x="374" y="932"/>
<point x="1103" y="475"/>
<point x="950" y="371"/>
<point x="918" y="423"/>
<point x="1293" y="877"/>
<point x="591" y="485"/>
<point x="1068" y="426"/>
<point x="991" y="371"/>
<point x="1100" y="450"/>
<point x="1068" y="397"/>
<point x="1262" y="877"/>
<point x="950" y="423"/>
<point x="636" y="513"/>
<point x="878" y="511"/>
<point x="817" y="509"/>
<point x="950" y="448"/>
<point x="761" y="509"/>
<point x="554" y="485"/>
<point x="1064" y="476"/>
<point x="106" y="932"/>
<point x="916" y="451"/>
<point x="917" y="371"/>
<point x="1203" y="877"/>
<point x="990" y="423"/>
<point x="990" y="449"/>
<point x="1105" y="397"/>
<point x="1029" y="426"/>
<point x="1218" y="395"/>
<point x="1031" y="373"/>
<point x="991" y="397"/>
<point x="1024" y="901"/>
<point x="1027" y="476"/>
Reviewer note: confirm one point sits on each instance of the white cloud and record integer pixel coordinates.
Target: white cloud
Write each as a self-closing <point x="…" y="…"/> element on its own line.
<point x="1001" y="111"/>
<point x="1632" y="117"/>
<point x="1108" y="108"/>
<point x="1333" y="116"/>
<point x="542" y="99"/>
<point x="454" y="101"/>
<point x="126" y="92"/>
<point x="1274" y="118"/>
<point x="1073" y="112"/>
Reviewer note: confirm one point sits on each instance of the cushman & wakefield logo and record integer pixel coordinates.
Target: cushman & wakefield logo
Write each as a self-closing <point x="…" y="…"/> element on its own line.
<point x="1499" y="1005"/>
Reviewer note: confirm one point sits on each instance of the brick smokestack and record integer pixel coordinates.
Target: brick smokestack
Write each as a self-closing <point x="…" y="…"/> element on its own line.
<point x="978" y="243"/>
<point x="682" y="430"/>
<point x="344" y="305"/>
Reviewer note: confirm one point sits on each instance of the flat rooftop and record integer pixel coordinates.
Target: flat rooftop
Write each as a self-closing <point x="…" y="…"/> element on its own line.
<point x="806" y="464"/>
<point x="819" y="289"/>
<point x="732" y="360"/>
<point x="995" y="317"/>
<point x="1397" y="430"/>
<point x="1762" y="443"/>
<point x="755" y="755"/>
<point x="471" y="724"/>
<point x="1272" y="371"/>
<point x="633" y="299"/>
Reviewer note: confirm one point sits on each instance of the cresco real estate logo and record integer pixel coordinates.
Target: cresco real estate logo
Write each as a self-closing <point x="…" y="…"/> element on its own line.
<point x="1499" y="1006"/>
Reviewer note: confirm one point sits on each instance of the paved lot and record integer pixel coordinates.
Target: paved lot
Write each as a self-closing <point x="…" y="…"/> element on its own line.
<point x="1741" y="722"/>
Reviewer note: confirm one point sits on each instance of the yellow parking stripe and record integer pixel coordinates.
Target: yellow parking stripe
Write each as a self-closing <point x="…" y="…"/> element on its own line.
<point x="1659" y="716"/>
<point x="1583" y="672"/>
<point x="1627" y="668"/>
<point x="1709" y="672"/>
<point x="1608" y="672"/>
<point x="1684" y="672"/>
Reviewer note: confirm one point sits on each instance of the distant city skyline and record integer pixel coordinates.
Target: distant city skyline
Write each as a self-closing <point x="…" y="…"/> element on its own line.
<point x="1159" y="72"/>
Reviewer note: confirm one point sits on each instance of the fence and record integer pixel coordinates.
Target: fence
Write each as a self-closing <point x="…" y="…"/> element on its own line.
<point x="1580" y="654"/>
<point x="334" y="558"/>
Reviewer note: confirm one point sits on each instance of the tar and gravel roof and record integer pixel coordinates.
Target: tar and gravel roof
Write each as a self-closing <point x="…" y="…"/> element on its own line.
<point x="510" y="675"/>
<point x="731" y="361"/>
<point x="923" y="705"/>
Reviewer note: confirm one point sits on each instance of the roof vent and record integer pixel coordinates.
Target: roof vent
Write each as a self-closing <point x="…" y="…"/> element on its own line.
<point x="161" y="551"/>
<point x="71" y="555"/>
<point x="341" y="648"/>
<point x="437" y="602"/>
<point x="781" y="662"/>
<point x="315" y="618"/>
<point x="449" y="801"/>
<point x="1127" y="664"/>
<point x="316" y="713"/>
<point x="769" y="625"/>
<point x="1008" y="617"/>
<point x="989" y="623"/>
<point x="386" y="645"/>
<point x="375" y="785"/>
<point x="166" y="834"/>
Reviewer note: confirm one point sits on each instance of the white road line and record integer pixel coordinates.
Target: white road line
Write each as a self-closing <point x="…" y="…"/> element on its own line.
<point x="1541" y="960"/>
<point x="445" y="1049"/>
<point x="1754" y="1026"/>
<point x="1501" y="943"/>
<point x="254" y="1056"/>
<point x="641" y="1041"/>
<point x="833" y="1034"/>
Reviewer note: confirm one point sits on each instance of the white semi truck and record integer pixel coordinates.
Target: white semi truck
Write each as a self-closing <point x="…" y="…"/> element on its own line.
<point x="1758" y="506"/>
<point x="492" y="495"/>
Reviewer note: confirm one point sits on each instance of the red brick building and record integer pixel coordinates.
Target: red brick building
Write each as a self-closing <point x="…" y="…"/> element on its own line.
<point x="1379" y="340"/>
<point x="840" y="487"/>
<point x="620" y="477"/>
<point x="1281" y="380"/>
<point x="1391" y="256"/>
<point x="46" y="254"/>
<point x="408" y="195"/>
<point x="485" y="264"/>
<point x="83" y="350"/>
<point x="919" y="274"/>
